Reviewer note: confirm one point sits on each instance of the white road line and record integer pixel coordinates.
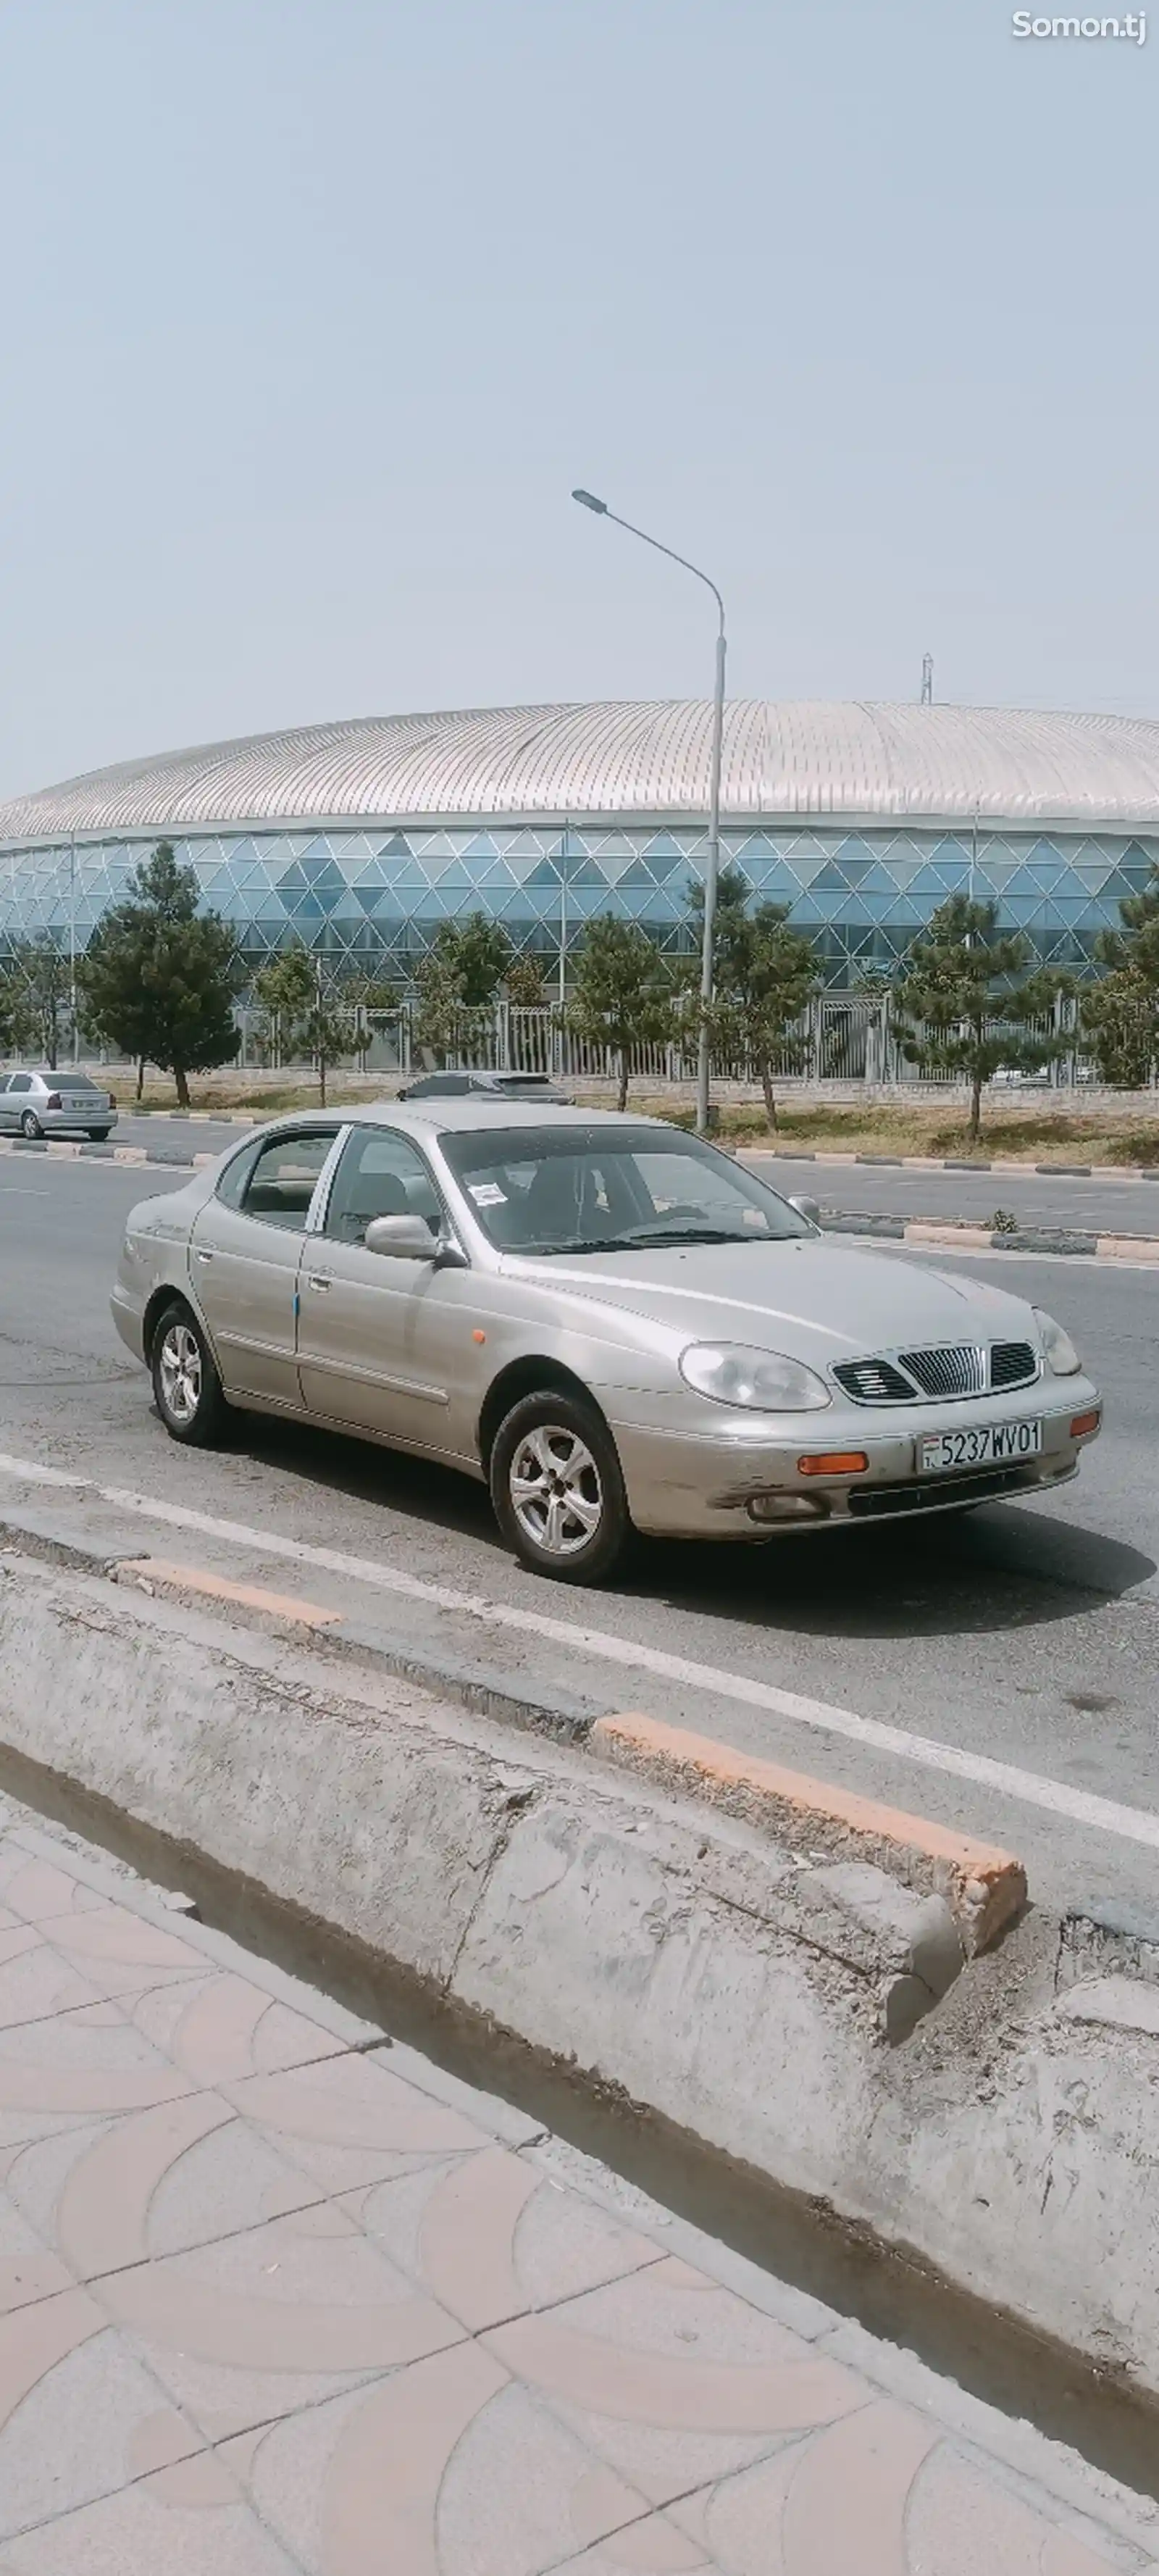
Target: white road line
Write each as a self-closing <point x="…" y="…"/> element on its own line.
<point x="1030" y="1788"/>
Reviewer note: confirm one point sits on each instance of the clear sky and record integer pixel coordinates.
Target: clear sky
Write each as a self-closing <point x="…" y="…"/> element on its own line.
<point x="314" y="310"/>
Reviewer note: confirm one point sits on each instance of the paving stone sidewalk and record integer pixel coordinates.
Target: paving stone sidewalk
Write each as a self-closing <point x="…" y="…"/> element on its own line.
<point x="276" y="2296"/>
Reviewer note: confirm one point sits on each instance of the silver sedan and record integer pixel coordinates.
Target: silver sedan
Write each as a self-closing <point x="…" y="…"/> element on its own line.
<point x="55" y="1104"/>
<point x="615" y="1326"/>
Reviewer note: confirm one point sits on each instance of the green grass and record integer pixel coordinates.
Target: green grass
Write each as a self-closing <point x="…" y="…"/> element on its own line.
<point x="1032" y="1132"/>
<point x="1033" y="1135"/>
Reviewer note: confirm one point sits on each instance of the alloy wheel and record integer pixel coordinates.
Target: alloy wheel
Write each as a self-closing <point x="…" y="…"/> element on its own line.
<point x="179" y="1369"/>
<point x="555" y="1488"/>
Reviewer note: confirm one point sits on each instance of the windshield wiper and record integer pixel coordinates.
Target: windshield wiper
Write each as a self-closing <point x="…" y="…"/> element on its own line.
<point x="693" y="1234"/>
<point x="549" y="1251"/>
<point x="647" y="1239"/>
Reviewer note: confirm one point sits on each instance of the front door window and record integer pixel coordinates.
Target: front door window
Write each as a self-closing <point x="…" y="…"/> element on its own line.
<point x="381" y="1174"/>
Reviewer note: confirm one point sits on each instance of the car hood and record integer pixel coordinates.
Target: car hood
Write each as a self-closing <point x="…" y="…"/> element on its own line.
<point x="822" y="1299"/>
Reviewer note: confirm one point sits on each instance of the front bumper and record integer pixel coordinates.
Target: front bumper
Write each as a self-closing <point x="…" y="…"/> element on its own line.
<point x="744" y="1481"/>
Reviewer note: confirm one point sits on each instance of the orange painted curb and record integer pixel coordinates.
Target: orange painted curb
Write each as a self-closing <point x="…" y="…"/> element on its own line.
<point x="157" y="1573"/>
<point x="984" y="1886"/>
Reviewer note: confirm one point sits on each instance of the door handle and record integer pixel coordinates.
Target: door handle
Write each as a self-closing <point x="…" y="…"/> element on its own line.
<point x="317" y="1279"/>
<point x="203" y="1256"/>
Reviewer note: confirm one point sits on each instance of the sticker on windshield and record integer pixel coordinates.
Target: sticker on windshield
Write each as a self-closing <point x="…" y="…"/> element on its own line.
<point x="487" y="1194"/>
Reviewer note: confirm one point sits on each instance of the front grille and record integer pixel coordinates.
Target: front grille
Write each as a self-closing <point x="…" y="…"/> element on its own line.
<point x="957" y="1369"/>
<point x="1012" y="1363"/>
<point x="950" y="1370"/>
<point x="874" y="1382"/>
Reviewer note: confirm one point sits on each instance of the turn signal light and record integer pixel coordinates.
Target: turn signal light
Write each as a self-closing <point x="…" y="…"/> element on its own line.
<point x="1084" y="1422"/>
<point x="834" y="1462"/>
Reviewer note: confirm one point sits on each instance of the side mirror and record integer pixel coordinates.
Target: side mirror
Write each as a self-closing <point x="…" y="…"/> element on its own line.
<point x="404" y="1238"/>
<point x="807" y="1208"/>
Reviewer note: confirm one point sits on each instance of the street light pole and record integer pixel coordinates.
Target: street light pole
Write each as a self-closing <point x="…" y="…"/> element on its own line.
<point x="588" y="501"/>
<point x="72" y="946"/>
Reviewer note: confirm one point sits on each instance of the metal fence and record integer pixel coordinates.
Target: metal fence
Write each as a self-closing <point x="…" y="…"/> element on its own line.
<point x="841" y="1038"/>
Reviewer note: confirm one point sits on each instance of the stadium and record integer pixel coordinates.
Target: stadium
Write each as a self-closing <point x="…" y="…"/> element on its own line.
<point x="360" y="838"/>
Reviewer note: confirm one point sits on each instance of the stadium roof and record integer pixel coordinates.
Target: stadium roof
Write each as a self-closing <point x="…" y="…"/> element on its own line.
<point x="793" y="757"/>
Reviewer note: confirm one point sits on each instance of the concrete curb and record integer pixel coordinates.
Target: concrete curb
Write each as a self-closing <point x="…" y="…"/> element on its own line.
<point x="735" y="1987"/>
<point x="984" y="1888"/>
<point x="1011" y="1165"/>
<point x="119" y="1157"/>
<point x="951" y="1237"/>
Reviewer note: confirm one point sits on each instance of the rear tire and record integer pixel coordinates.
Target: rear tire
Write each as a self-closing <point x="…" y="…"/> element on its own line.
<point x="186" y="1385"/>
<point x="97" y="1135"/>
<point x="30" y="1125"/>
<point x="557" y="1488"/>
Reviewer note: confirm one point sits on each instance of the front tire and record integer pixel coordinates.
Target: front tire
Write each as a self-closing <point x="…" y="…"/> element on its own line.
<point x="557" y="1488"/>
<point x="30" y="1125"/>
<point x="186" y="1385"/>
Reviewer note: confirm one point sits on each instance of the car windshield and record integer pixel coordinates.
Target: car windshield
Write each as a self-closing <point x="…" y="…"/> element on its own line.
<point x="601" y="1189"/>
<point x="68" y="1081"/>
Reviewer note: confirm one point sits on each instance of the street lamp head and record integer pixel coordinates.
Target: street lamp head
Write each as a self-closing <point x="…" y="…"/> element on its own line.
<point x="589" y="502"/>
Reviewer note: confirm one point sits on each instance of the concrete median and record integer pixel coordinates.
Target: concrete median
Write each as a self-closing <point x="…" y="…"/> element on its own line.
<point x="792" y="2001"/>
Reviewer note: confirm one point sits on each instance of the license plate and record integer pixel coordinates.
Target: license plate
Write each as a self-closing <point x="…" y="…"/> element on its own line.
<point x="992" y="1444"/>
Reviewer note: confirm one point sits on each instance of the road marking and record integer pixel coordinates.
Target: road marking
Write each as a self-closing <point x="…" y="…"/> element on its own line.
<point x="1030" y="1788"/>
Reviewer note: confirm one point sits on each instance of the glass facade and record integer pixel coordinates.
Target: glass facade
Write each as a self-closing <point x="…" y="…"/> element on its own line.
<point x="376" y="896"/>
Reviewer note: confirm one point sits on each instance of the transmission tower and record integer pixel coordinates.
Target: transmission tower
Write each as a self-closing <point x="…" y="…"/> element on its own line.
<point x="927" y="679"/>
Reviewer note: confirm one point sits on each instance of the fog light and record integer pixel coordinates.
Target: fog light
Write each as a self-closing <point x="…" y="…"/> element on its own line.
<point x="1084" y="1422"/>
<point x="834" y="1462"/>
<point x="788" y="1507"/>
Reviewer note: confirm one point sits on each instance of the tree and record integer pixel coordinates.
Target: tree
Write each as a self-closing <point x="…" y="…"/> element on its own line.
<point x="34" y="997"/>
<point x="764" y="978"/>
<point x="1120" y="1023"/>
<point x="364" y="996"/>
<point x="967" y="995"/>
<point x="306" y="1008"/>
<point x="1120" y="1014"/>
<point x="458" y="981"/>
<point x="621" y="996"/>
<point x="283" y="989"/>
<point x="524" y="983"/>
<point x="160" y="977"/>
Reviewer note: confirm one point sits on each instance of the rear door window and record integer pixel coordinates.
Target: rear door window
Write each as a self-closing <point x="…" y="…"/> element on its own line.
<point x="283" y="1177"/>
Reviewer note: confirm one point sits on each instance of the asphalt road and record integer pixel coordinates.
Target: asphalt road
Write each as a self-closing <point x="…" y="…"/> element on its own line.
<point x="1102" y="1206"/>
<point x="1028" y="1634"/>
<point x="1092" y="1206"/>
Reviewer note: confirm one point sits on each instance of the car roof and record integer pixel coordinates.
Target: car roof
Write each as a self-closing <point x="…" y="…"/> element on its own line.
<point x="475" y="1110"/>
<point x="454" y="1115"/>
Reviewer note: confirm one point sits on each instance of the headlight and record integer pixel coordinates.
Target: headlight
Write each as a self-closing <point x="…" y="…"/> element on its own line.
<point x="1060" y="1351"/>
<point x="762" y="1380"/>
